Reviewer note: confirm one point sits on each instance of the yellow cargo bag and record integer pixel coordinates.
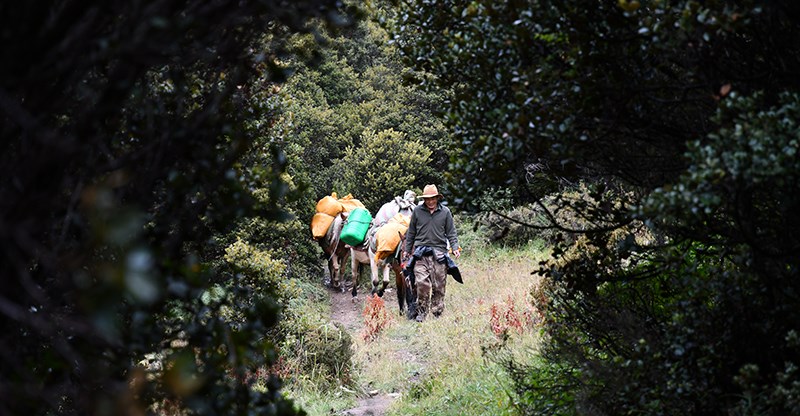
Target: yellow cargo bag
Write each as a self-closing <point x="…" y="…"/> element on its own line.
<point x="330" y="205"/>
<point x="320" y="224"/>
<point x="389" y="235"/>
<point x="327" y="209"/>
<point x="349" y="203"/>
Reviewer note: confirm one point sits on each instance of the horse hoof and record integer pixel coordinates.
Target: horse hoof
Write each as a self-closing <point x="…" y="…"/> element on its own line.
<point x="380" y="293"/>
<point x="354" y="292"/>
<point x="411" y="311"/>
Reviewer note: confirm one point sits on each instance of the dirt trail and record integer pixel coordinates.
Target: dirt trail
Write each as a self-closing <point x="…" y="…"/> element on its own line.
<point x="348" y="311"/>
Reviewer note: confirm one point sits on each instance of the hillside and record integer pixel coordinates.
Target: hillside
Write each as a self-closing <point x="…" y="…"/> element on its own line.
<point x="439" y="366"/>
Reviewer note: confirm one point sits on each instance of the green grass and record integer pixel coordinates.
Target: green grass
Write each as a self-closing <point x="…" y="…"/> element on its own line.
<point x="441" y="368"/>
<point x="464" y="389"/>
<point x="438" y="367"/>
<point x="320" y="401"/>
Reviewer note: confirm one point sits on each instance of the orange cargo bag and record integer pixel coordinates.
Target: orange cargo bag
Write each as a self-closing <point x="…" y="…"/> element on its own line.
<point x="330" y="205"/>
<point x="320" y="224"/>
<point x="389" y="235"/>
<point x="349" y="203"/>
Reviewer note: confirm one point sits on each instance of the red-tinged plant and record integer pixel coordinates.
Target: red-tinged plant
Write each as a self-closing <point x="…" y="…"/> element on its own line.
<point x="376" y="318"/>
<point x="505" y="317"/>
<point x="512" y="316"/>
<point x="494" y="321"/>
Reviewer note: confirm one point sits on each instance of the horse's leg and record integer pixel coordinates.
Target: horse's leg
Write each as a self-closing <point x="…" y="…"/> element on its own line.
<point x="374" y="269"/>
<point x="385" y="281"/>
<point x="332" y="271"/>
<point x="341" y="259"/>
<point x="411" y="297"/>
<point x="334" y="266"/>
<point x="400" y="282"/>
<point x="354" y="266"/>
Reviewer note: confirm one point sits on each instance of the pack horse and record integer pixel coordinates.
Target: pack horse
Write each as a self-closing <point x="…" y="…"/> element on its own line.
<point x="381" y="249"/>
<point x="326" y="229"/>
<point x="335" y="250"/>
<point x="343" y="227"/>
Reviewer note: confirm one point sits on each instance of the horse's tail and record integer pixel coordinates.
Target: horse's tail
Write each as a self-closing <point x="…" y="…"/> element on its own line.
<point x="336" y="234"/>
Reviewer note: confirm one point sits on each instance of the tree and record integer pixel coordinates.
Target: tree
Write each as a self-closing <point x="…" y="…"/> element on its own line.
<point x="383" y="166"/>
<point x="677" y="118"/>
<point x="120" y="126"/>
<point x="358" y="88"/>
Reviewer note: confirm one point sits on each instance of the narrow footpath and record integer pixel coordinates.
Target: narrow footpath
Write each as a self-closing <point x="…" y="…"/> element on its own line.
<point x="348" y="311"/>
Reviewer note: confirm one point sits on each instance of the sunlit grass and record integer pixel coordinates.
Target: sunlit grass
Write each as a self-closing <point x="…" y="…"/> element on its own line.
<point x="438" y="365"/>
<point x="316" y="401"/>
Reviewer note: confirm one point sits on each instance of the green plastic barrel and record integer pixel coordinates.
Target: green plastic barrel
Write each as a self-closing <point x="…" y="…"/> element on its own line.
<point x="356" y="226"/>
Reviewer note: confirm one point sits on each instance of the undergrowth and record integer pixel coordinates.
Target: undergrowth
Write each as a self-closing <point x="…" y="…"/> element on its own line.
<point x="448" y="365"/>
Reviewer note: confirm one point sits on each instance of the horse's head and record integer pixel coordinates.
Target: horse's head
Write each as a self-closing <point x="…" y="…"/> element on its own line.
<point x="398" y="253"/>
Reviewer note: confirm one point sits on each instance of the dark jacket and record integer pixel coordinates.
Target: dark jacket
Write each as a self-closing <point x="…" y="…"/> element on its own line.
<point x="441" y="257"/>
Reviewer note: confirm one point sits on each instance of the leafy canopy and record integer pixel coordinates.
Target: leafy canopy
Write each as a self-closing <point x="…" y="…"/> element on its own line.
<point x="121" y="125"/>
<point x="658" y="139"/>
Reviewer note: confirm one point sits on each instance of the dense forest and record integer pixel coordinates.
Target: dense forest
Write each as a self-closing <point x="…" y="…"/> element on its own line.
<point x="162" y="160"/>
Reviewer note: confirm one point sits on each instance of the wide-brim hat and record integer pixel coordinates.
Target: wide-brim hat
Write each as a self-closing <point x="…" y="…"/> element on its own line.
<point x="430" y="191"/>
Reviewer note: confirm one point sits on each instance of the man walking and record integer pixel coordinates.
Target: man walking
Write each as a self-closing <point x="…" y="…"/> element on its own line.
<point x="430" y="231"/>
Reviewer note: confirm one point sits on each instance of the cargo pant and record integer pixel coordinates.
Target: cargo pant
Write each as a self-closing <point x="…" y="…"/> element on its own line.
<point x="431" y="277"/>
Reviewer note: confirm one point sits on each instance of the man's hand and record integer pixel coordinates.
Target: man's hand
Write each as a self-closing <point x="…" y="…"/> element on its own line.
<point x="457" y="253"/>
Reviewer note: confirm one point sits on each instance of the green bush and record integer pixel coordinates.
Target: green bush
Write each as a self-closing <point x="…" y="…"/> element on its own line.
<point x="320" y="353"/>
<point x="660" y="329"/>
<point x="382" y="166"/>
<point x="122" y="125"/>
<point x="309" y="347"/>
<point x="674" y="282"/>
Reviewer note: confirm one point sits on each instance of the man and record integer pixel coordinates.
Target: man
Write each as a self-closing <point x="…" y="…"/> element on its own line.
<point x="430" y="231"/>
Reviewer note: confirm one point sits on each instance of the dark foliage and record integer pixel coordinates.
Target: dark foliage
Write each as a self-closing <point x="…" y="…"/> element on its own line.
<point x="678" y="120"/>
<point x="120" y="123"/>
<point x="350" y="125"/>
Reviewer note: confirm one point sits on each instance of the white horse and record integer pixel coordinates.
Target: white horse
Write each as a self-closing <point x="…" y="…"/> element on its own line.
<point x="365" y="253"/>
<point x="359" y="256"/>
<point x="404" y="205"/>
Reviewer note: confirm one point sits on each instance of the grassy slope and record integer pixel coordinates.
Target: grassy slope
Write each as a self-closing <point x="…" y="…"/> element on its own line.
<point x="438" y="367"/>
<point x="454" y="376"/>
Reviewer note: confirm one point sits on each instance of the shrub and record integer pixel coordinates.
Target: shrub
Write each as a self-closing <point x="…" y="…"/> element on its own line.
<point x="320" y="352"/>
<point x="506" y="317"/>
<point x="382" y="166"/>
